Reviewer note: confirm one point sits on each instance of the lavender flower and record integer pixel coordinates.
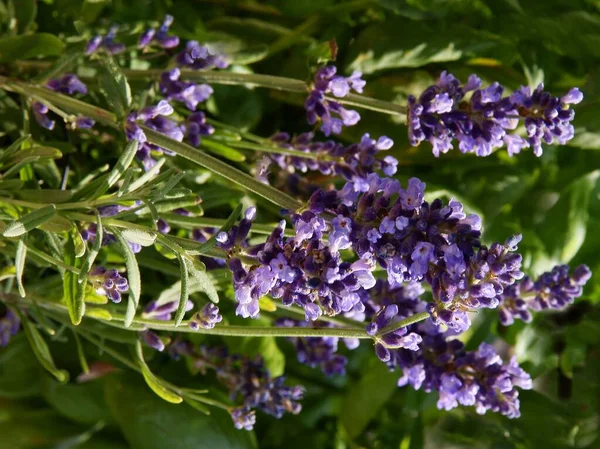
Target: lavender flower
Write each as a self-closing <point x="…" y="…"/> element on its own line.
<point x="207" y="318"/>
<point x="247" y="380"/>
<point x="108" y="282"/>
<point x="319" y="351"/>
<point x="480" y="124"/>
<point x="188" y="93"/>
<point x="67" y="84"/>
<point x="163" y="311"/>
<point x="9" y="326"/>
<point x="159" y="36"/>
<point x="352" y="162"/>
<point x="152" y="340"/>
<point x="201" y="57"/>
<point x="552" y="290"/>
<point x="153" y="117"/>
<point x="332" y="114"/>
<point x="40" y="112"/>
<point x="106" y="42"/>
<point x="195" y="127"/>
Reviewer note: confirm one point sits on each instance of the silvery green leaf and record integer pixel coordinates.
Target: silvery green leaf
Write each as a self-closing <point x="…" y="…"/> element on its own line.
<point x="20" y="256"/>
<point x="41" y="350"/>
<point x="184" y="294"/>
<point x="204" y="282"/>
<point x="127" y="180"/>
<point x="114" y="86"/>
<point x="119" y="169"/>
<point x="172" y="182"/>
<point x="153" y="382"/>
<point x="133" y="277"/>
<point x="145" y="178"/>
<point x="30" y="221"/>
<point x="139" y="236"/>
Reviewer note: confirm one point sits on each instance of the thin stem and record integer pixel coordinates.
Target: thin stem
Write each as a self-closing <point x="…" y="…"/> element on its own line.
<point x="278" y="150"/>
<point x="403" y="323"/>
<point x="196" y="222"/>
<point x="51" y="260"/>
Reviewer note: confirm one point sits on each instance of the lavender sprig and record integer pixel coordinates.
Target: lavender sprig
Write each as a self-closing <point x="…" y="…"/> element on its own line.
<point x="159" y="36"/>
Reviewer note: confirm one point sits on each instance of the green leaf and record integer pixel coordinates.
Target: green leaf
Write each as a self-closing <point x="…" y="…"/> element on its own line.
<point x="41" y="350"/>
<point x="30" y="221"/>
<point x="119" y="169"/>
<point x="184" y="295"/>
<point x="30" y="46"/>
<point x="19" y="370"/>
<point x="223" y="150"/>
<point x="20" y="257"/>
<point x="73" y="291"/>
<point x="222" y="169"/>
<point x="45" y="196"/>
<point x="133" y="277"/>
<point x="365" y="398"/>
<point x="93" y="251"/>
<point x="114" y="86"/>
<point x="139" y="236"/>
<point x="155" y="383"/>
<point x="82" y="403"/>
<point x="565" y="226"/>
<point x="25" y="13"/>
<point x="151" y="423"/>
<point x="204" y="282"/>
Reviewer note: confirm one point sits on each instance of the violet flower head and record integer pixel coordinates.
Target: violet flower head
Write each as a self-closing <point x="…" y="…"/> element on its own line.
<point x="486" y="120"/>
<point x="40" y="113"/>
<point x="332" y="114"/>
<point x="185" y="92"/>
<point x="67" y="84"/>
<point x="195" y="127"/>
<point x="201" y="57"/>
<point x="555" y="289"/>
<point x="108" y="282"/>
<point x="154" y="117"/>
<point x="207" y="318"/>
<point x="243" y="418"/>
<point x="152" y="340"/>
<point x="160" y="36"/>
<point x="9" y="326"/>
<point x="106" y="42"/>
<point x="163" y="311"/>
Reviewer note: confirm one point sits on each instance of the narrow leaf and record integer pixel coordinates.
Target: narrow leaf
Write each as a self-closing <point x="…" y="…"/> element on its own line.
<point x="197" y="406"/>
<point x="223" y="150"/>
<point x="133" y="277"/>
<point x="41" y="350"/>
<point x="73" y="291"/>
<point x="81" y="354"/>
<point x="146" y="177"/>
<point x="204" y="282"/>
<point x="153" y="382"/>
<point x="172" y="182"/>
<point x="30" y="221"/>
<point x="114" y="86"/>
<point x="127" y="179"/>
<point x="184" y="294"/>
<point x="94" y="250"/>
<point x="139" y="236"/>
<point x="119" y="169"/>
<point x="222" y="169"/>
<point x="98" y="313"/>
<point x="20" y="256"/>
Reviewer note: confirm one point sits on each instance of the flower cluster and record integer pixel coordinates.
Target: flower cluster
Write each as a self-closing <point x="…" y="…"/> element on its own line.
<point x="319" y="351"/>
<point x="414" y="240"/>
<point x="67" y="84"/>
<point x="332" y="158"/>
<point x="107" y="42"/>
<point x="552" y="290"/>
<point x="89" y="232"/>
<point x="9" y="325"/>
<point x="481" y="123"/>
<point x="332" y="114"/>
<point x="173" y="89"/>
<point x="302" y="270"/>
<point x="160" y="36"/>
<point x="163" y="310"/>
<point x="207" y="318"/>
<point x="247" y="379"/>
<point x="201" y="57"/>
<point x="108" y="282"/>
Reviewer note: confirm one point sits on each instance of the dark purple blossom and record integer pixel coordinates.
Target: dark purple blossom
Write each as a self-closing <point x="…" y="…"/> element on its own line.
<point x="152" y="340"/>
<point x="195" y="127"/>
<point x="332" y="114"/>
<point x="67" y="84"/>
<point x="9" y="325"/>
<point x="164" y="310"/>
<point x="555" y="289"/>
<point x="106" y="42"/>
<point x="207" y="318"/>
<point x="185" y="92"/>
<point x="40" y="112"/>
<point x="108" y="282"/>
<point x="201" y="57"/>
<point x="159" y="36"/>
<point x="483" y="122"/>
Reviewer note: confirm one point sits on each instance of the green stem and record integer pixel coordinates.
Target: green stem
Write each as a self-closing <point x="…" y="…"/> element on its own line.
<point x="403" y="323"/>
<point x="222" y="169"/>
<point x="278" y="150"/>
<point x="51" y="260"/>
<point x="196" y="222"/>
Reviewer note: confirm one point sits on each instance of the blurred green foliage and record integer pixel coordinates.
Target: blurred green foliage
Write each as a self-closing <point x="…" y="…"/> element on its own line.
<point x="401" y="46"/>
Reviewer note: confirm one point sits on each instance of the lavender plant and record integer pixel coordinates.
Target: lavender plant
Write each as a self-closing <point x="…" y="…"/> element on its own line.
<point x="332" y="241"/>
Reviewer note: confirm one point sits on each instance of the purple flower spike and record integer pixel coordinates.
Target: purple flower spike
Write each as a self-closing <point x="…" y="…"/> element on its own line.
<point x="159" y="36"/>
<point x="9" y="326"/>
<point x="207" y="318"/>
<point x="333" y="115"/>
<point x="201" y="57"/>
<point x="186" y="92"/>
<point x="108" y="282"/>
